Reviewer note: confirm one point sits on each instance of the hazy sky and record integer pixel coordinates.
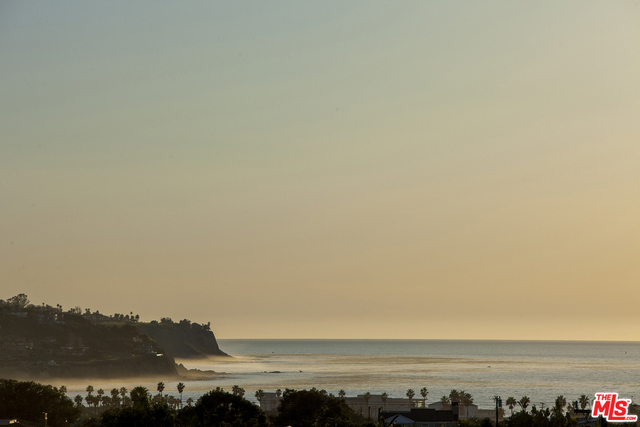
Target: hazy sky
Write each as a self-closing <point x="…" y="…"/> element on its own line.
<point x="431" y="169"/>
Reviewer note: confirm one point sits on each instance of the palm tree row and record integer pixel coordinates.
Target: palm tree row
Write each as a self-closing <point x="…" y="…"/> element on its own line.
<point x="561" y="405"/>
<point x="118" y="397"/>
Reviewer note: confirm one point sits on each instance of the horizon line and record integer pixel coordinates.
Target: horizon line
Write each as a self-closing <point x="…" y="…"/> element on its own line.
<point x="437" y="339"/>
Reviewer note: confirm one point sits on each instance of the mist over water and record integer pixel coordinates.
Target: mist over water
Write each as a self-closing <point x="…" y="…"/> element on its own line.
<point x="538" y="369"/>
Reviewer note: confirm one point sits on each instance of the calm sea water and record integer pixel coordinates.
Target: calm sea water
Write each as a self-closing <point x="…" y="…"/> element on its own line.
<point x="541" y="370"/>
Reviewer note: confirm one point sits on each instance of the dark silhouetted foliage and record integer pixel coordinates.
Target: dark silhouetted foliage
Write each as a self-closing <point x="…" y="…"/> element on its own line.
<point x="306" y="408"/>
<point x="157" y="415"/>
<point x="28" y="400"/>
<point x="218" y="408"/>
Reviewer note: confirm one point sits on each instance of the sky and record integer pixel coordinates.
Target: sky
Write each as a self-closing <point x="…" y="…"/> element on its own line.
<point x="414" y="169"/>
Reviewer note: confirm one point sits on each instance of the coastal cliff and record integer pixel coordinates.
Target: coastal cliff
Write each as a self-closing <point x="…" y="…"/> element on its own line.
<point x="183" y="339"/>
<point x="143" y="366"/>
<point x="42" y="342"/>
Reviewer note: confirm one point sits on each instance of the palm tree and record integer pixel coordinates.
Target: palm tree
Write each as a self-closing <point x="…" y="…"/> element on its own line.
<point x="424" y="393"/>
<point x="511" y="403"/>
<point x="160" y="388"/>
<point x="140" y="397"/>
<point x="384" y="397"/>
<point x="115" y="397"/>
<point x="123" y="395"/>
<point x="63" y="389"/>
<point x="171" y="401"/>
<point x="89" y="400"/>
<point x="237" y="391"/>
<point x="100" y="393"/>
<point x="366" y="398"/>
<point x="466" y="400"/>
<point x="259" y="395"/>
<point x="445" y="402"/>
<point x="106" y="401"/>
<point x="93" y="401"/>
<point x="190" y="401"/>
<point x="78" y="400"/>
<point x="342" y="394"/>
<point x="410" y="394"/>
<point x="524" y="403"/>
<point x="278" y="393"/>
<point x="180" y="388"/>
<point x="561" y="402"/>
<point x="584" y="401"/>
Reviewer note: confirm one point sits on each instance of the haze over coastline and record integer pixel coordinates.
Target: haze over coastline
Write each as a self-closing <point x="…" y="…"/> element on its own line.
<point x="421" y="170"/>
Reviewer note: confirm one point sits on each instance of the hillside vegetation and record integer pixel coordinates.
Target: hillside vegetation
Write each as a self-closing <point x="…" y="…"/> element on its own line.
<point x="46" y="342"/>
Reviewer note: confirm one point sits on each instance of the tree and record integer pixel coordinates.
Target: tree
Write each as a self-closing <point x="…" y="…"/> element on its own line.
<point x="278" y="393"/>
<point x="157" y="415"/>
<point x="445" y="402"/>
<point x="180" y="387"/>
<point x="410" y="394"/>
<point x="173" y="402"/>
<point x="115" y="397"/>
<point x="511" y="403"/>
<point x="424" y="393"/>
<point x="366" y="398"/>
<point x="524" y="403"/>
<point x="19" y="301"/>
<point x="140" y="397"/>
<point x="341" y="394"/>
<point x="63" y="389"/>
<point x="259" y="395"/>
<point x="123" y="395"/>
<point x="466" y="400"/>
<point x="237" y="391"/>
<point x="28" y="400"/>
<point x="160" y="388"/>
<point x="78" y="399"/>
<point x="558" y="408"/>
<point x="584" y="401"/>
<point x="100" y="393"/>
<point x="384" y="398"/>
<point x="90" y="398"/>
<point x="218" y="408"/>
<point x="106" y="401"/>
<point x="307" y="408"/>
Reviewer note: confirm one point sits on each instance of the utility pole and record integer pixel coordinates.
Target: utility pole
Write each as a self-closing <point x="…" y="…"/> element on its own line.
<point x="498" y="405"/>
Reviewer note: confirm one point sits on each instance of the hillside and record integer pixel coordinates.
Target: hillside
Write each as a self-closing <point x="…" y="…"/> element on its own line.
<point x="183" y="339"/>
<point x="38" y="342"/>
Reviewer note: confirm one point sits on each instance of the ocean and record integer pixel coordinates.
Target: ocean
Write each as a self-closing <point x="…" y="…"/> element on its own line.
<point x="541" y="370"/>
